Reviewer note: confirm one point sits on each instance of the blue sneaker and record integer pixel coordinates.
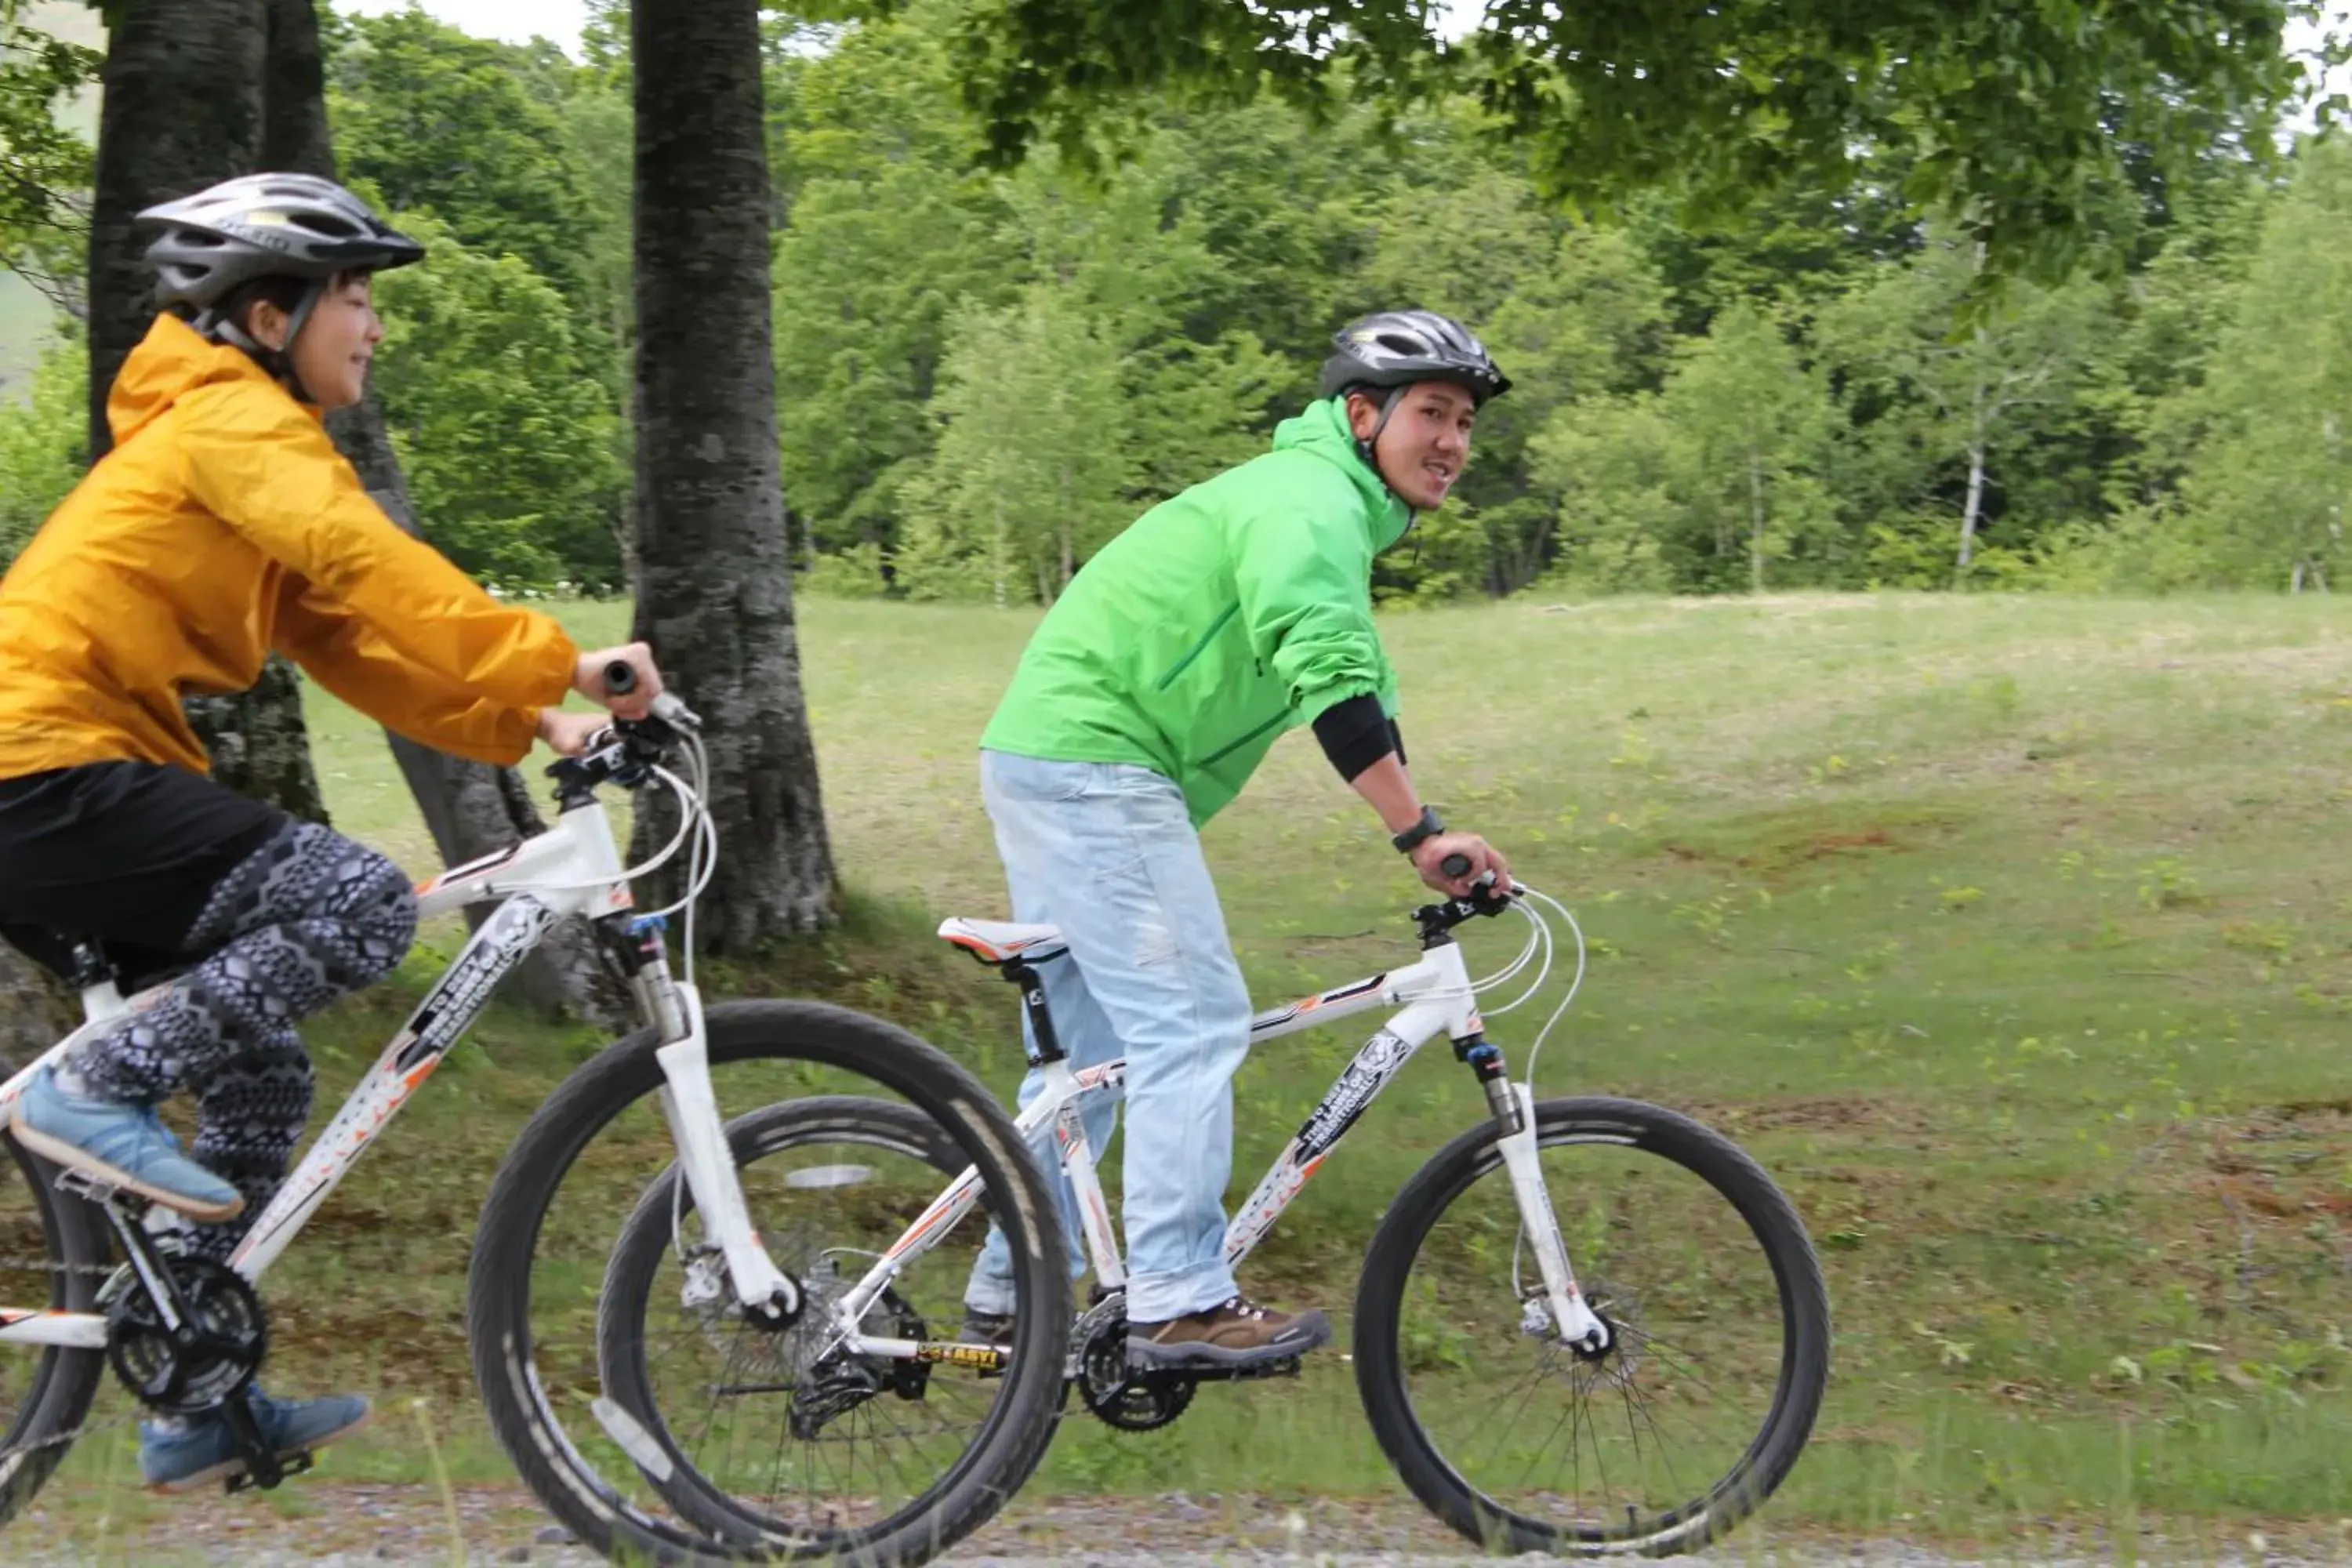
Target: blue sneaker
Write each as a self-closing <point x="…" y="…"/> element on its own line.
<point x="126" y="1146"/>
<point x="178" y="1455"/>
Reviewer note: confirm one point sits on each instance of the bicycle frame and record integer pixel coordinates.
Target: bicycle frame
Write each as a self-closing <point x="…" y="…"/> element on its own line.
<point x="1433" y="996"/>
<point x="574" y="868"/>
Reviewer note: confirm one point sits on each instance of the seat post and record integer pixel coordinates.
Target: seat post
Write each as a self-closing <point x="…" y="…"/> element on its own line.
<point x="1048" y="1047"/>
<point x="91" y="967"/>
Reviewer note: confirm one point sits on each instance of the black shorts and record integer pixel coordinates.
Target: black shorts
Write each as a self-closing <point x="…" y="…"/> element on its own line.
<point x="127" y="853"/>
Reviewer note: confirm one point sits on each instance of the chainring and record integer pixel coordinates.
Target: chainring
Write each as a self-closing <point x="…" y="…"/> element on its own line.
<point x="205" y="1362"/>
<point x="1119" y="1396"/>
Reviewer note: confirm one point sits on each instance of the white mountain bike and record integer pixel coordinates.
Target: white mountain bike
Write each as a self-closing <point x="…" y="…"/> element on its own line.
<point x="1642" y="1402"/>
<point x="818" y="1380"/>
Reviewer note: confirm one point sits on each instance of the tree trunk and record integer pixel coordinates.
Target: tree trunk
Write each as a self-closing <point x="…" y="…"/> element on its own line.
<point x="183" y="110"/>
<point x="294" y="136"/>
<point x="714" y="585"/>
<point x="259" y="742"/>
<point x="1755" y="522"/>
<point x="1969" y="512"/>
<point x="470" y="808"/>
<point x="36" y="1009"/>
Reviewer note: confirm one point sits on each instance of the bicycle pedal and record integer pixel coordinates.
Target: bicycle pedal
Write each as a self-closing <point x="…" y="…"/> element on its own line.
<point x="82" y="1184"/>
<point x="1288" y="1366"/>
<point x="246" y="1482"/>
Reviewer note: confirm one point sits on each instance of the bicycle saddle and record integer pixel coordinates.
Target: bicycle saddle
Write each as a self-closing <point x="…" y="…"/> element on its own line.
<point x="1001" y="942"/>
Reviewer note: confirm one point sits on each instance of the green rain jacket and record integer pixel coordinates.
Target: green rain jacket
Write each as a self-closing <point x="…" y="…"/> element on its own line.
<point x="1218" y="619"/>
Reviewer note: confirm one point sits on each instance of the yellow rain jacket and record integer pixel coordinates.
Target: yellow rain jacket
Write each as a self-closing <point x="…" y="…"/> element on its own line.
<point x="225" y="524"/>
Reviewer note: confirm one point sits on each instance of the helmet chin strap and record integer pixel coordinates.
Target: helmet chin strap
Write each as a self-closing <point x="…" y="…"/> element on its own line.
<point x="279" y="362"/>
<point x="1364" y="449"/>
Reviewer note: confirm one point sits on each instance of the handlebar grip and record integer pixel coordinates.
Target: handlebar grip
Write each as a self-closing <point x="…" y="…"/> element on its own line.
<point x="1454" y="866"/>
<point x="620" y="677"/>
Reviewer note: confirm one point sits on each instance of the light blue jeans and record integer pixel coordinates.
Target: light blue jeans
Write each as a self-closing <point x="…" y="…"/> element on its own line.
<point x="1106" y="851"/>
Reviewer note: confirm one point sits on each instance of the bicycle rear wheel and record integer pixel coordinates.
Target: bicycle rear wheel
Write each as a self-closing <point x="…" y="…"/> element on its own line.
<point x="51" y="1257"/>
<point x="1659" y="1444"/>
<point x="589" y="1431"/>
<point x="767" y="1433"/>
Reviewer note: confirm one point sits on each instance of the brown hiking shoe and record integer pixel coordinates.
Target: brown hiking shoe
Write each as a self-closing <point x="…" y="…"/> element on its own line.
<point x="1238" y="1332"/>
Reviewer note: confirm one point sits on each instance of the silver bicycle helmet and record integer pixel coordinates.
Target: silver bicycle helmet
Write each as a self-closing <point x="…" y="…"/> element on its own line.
<point x="265" y="225"/>
<point x="236" y="233"/>
<point x="1391" y="349"/>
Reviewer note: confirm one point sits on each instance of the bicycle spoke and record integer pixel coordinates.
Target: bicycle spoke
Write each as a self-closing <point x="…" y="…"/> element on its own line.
<point x="1617" y="1446"/>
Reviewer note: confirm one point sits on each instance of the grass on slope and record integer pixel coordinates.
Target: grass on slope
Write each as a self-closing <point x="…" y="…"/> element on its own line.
<point x="2007" y="933"/>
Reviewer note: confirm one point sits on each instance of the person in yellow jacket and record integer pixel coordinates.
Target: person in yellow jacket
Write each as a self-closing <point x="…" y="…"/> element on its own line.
<point x="223" y="525"/>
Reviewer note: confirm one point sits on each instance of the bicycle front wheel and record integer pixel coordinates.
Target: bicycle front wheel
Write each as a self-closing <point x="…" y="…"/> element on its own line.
<point x="1660" y="1443"/>
<point x="587" y="1233"/>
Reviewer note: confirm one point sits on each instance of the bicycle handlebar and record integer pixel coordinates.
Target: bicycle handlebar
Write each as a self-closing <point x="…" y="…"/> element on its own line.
<point x="621" y="679"/>
<point x="1483" y="888"/>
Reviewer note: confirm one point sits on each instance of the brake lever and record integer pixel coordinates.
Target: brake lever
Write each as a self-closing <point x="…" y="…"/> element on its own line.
<point x="671" y="711"/>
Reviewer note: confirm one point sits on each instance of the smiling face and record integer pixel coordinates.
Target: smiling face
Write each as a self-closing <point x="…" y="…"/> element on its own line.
<point x="1425" y="443"/>
<point x="331" y="354"/>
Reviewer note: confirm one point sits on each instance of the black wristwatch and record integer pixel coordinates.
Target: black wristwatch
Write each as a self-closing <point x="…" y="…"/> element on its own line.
<point x="1430" y="825"/>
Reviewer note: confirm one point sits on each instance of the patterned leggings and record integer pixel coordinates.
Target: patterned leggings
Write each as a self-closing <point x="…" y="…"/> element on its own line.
<point x="307" y="918"/>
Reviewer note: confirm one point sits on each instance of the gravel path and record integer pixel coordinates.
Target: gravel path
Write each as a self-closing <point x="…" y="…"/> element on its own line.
<point x="357" y="1525"/>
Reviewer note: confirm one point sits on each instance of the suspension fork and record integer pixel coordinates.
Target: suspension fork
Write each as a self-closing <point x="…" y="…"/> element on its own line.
<point x="1514" y="1111"/>
<point x="690" y="1106"/>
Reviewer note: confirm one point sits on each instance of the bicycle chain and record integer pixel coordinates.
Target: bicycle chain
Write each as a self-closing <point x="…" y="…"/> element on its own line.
<point x="87" y="1428"/>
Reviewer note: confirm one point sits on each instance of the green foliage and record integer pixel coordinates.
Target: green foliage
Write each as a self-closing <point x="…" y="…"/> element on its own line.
<point x="1819" y="390"/>
<point x="852" y="573"/>
<point x="1756" y="425"/>
<point x="1029" y="473"/>
<point x="1829" y="395"/>
<point x="1568" y="310"/>
<point x="889" y="234"/>
<point x="2261" y="501"/>
<point x="1615" y="462"/>
<point x="504" y="374"/>
<point x="45" y="165"/>
<point x="2022" y="121"/>
<point x="467" y="129"/>
<point x="512" y="451"/>
<point x="1936" y="392"/>
<point x="42" y="438"/>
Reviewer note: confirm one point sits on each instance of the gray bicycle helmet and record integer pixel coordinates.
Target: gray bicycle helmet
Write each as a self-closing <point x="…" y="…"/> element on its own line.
<point x="240" y="231"/>
<point x="1391" y="349"/>
<point x="265" y="225"/>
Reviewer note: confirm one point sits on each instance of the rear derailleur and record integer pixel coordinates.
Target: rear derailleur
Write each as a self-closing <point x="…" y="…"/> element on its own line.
<point x="1133" y="1398"/>
<point x="839" y="1382"/>
<point x="185" y="1335"/>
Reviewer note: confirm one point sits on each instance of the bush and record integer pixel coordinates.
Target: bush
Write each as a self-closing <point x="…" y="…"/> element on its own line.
<point x="852" y="573"/>
<point x="41" y="445"/>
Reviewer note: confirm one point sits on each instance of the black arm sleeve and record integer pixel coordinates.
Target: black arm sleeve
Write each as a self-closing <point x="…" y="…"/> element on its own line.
<point x="1355" y="734"/>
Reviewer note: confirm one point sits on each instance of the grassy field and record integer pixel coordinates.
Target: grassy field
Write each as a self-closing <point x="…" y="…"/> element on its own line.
<point x="2005" y="932"/>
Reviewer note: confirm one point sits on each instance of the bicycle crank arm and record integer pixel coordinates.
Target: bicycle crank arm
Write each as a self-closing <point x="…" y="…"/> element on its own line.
<point x="1576" y="1322"/>
<point x="703" y="1153"/>
<point x="262" y="1467"/>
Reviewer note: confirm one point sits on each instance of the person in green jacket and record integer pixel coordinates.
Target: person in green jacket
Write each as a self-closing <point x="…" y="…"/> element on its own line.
<point x="1154" y="687"/>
